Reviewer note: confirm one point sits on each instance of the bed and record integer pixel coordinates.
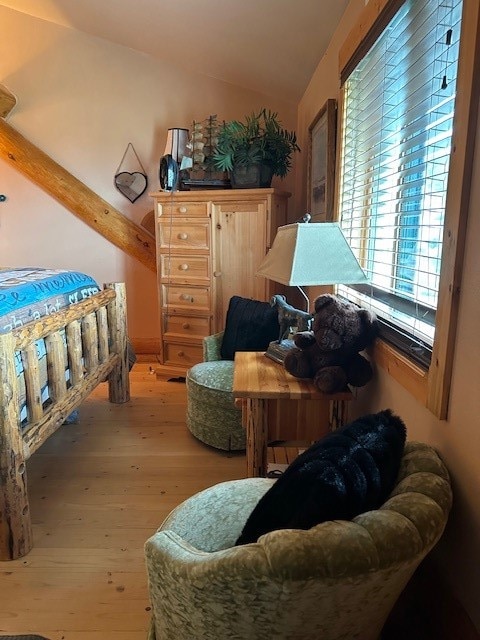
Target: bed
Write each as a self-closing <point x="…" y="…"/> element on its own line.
<point x="60" y="336"/>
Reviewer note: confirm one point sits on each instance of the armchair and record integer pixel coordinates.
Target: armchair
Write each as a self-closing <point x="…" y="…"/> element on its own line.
<point x="336" y="581"/>
<point x="212" y="416"/>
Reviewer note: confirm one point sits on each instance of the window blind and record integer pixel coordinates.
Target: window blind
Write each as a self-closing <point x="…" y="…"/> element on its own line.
<point x="399" y="102"/>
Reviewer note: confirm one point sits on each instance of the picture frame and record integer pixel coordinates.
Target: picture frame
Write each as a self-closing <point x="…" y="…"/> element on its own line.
<point x="321" y="162"/>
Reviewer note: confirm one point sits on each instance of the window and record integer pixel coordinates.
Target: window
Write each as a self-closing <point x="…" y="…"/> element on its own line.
<point x="399" y="110"/>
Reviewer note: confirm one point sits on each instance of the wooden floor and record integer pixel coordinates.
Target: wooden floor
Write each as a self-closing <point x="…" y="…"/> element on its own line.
<point x="98" y="490"/>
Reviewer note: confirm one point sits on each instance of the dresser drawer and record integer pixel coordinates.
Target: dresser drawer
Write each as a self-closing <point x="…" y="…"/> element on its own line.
<point x="185" y="269"/>
<point x="191" y="326"/>
<point x="166" y="209"/>
<point x="177" y="297"/>
<point x="184" y="233"/>
<point x="182" y="354"/>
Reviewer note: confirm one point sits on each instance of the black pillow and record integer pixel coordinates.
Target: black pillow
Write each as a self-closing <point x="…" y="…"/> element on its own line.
<point x="250" y="326"/>
<point x="348" y="472"/>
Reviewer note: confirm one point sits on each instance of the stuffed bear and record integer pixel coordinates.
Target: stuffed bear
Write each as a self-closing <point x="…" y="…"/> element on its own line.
<point x="329" y="353"/>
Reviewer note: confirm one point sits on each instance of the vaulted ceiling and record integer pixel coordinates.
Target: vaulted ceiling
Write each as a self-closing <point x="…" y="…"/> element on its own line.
<point x="270" y="46"/>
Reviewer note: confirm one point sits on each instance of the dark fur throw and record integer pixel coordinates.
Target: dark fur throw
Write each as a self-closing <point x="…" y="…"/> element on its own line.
<point x="348" y="472"/>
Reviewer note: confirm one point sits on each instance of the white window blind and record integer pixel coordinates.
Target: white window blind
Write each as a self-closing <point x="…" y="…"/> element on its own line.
<point x="398" y="114"/>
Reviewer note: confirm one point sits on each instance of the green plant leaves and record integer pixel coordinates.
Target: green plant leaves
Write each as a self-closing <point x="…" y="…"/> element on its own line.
<point x="259" y="140"/>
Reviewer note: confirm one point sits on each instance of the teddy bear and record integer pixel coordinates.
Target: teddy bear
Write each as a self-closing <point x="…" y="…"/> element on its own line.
<point x="329" y="352"/>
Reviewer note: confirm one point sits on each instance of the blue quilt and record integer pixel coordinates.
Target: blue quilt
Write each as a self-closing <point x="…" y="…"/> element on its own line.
<point x="30" y="293"/>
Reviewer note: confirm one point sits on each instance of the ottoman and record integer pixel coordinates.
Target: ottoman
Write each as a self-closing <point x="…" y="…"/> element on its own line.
<point x="211" y="413"/>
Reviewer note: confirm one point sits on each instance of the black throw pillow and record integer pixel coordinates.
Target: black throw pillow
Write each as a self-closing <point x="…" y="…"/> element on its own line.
<point x="348" y="472"/>
<point x="250" y="326"/>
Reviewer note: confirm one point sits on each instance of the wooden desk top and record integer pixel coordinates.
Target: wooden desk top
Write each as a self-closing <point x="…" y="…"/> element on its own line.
<point x="257" y="376"/>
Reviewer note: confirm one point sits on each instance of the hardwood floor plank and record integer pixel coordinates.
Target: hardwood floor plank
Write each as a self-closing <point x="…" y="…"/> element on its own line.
<point x="100" y="635"/>
<point x="95" y="537"/>
<point x="98" y="489"/>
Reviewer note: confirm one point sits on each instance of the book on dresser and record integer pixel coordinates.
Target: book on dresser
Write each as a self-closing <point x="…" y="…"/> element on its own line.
<point x="209" y="246"/>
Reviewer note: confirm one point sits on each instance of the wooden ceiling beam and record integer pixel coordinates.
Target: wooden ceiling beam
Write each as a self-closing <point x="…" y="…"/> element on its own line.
<point x="7" y="101"/>
<point x="76" y="196"/>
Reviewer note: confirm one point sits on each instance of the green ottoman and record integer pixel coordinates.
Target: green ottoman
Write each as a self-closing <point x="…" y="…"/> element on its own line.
<point x="211" y="413"/>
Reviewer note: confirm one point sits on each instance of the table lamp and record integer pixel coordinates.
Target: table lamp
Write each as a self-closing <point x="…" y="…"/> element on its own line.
<point x="176" y="145"/>
<point x="304" y="254"/>
<point x="174" y="159"/>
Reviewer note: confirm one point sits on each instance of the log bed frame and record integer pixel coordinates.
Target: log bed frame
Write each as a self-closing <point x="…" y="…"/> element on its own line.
<point x="96" y="337"/>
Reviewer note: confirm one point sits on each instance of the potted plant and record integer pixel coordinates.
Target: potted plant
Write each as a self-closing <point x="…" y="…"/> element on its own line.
<point x="255" y="150"/>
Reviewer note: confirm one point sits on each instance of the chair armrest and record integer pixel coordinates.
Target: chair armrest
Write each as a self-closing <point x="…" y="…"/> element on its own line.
<point x="214" y="518"/>
<point x="212" y="346"/>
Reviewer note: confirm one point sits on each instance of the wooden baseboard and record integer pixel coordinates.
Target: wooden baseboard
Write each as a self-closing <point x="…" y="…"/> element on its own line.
<point x="150" y="346"/>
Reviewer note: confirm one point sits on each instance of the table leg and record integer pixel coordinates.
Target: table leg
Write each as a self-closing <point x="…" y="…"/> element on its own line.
<point x="255" y="421"/>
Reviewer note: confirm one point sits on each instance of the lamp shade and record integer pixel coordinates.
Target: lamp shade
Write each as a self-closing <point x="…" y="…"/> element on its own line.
<point x="311" y="254"/>
<point x="176" y="143"/>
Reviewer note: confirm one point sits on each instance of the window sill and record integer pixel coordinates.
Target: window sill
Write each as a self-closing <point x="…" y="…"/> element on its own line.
<point x="410" y="375"/>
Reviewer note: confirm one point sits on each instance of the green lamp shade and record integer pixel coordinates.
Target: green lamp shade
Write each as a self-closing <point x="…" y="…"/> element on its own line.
<point x="305" y="254"/>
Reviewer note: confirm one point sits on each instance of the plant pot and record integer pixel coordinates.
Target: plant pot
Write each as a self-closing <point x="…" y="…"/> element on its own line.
<point x="252" y="177"/>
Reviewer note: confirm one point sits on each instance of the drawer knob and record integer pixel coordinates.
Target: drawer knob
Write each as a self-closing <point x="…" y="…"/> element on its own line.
<point x="186" y="296"/>
<point x="184" y="267"/>
<point x="182" y="236"/>
<point x="217" y="274"/>
<point x="180" y="354"/>
<point x="186" y="325"/>
<point x="182" y="209"/>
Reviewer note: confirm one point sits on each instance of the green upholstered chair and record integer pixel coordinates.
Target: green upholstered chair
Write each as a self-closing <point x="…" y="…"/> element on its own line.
<point x="212" y="416"/>
<point x="338" y="580"/>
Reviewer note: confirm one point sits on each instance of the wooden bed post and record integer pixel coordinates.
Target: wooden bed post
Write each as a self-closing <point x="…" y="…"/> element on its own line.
<point x="16" y="537"/>
<point x="118" y="380"/>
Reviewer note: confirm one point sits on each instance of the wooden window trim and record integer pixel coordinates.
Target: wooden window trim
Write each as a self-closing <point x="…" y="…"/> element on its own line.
<point x="432" y="387"/>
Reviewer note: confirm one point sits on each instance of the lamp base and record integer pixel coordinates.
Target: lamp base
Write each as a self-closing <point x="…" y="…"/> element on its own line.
<point x="278" y="350"/>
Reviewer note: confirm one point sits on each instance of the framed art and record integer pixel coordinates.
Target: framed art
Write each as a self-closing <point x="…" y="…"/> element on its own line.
<point x="321" y="162"/>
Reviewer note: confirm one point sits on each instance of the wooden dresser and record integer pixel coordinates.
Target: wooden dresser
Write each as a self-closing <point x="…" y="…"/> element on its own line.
<point x="209" y="246"/>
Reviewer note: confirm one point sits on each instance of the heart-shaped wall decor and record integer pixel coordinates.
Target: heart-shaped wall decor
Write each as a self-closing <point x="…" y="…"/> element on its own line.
<point x="131" y="185"/>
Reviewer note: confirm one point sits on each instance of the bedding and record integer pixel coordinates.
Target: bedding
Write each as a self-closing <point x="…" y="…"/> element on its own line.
<point x="30" y="293"/>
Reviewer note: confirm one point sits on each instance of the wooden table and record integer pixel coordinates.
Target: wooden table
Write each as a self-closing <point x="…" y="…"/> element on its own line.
<point x="267" y="391"/>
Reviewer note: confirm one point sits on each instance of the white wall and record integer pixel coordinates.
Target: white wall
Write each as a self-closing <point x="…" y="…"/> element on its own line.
<point x="82" y="100"/>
